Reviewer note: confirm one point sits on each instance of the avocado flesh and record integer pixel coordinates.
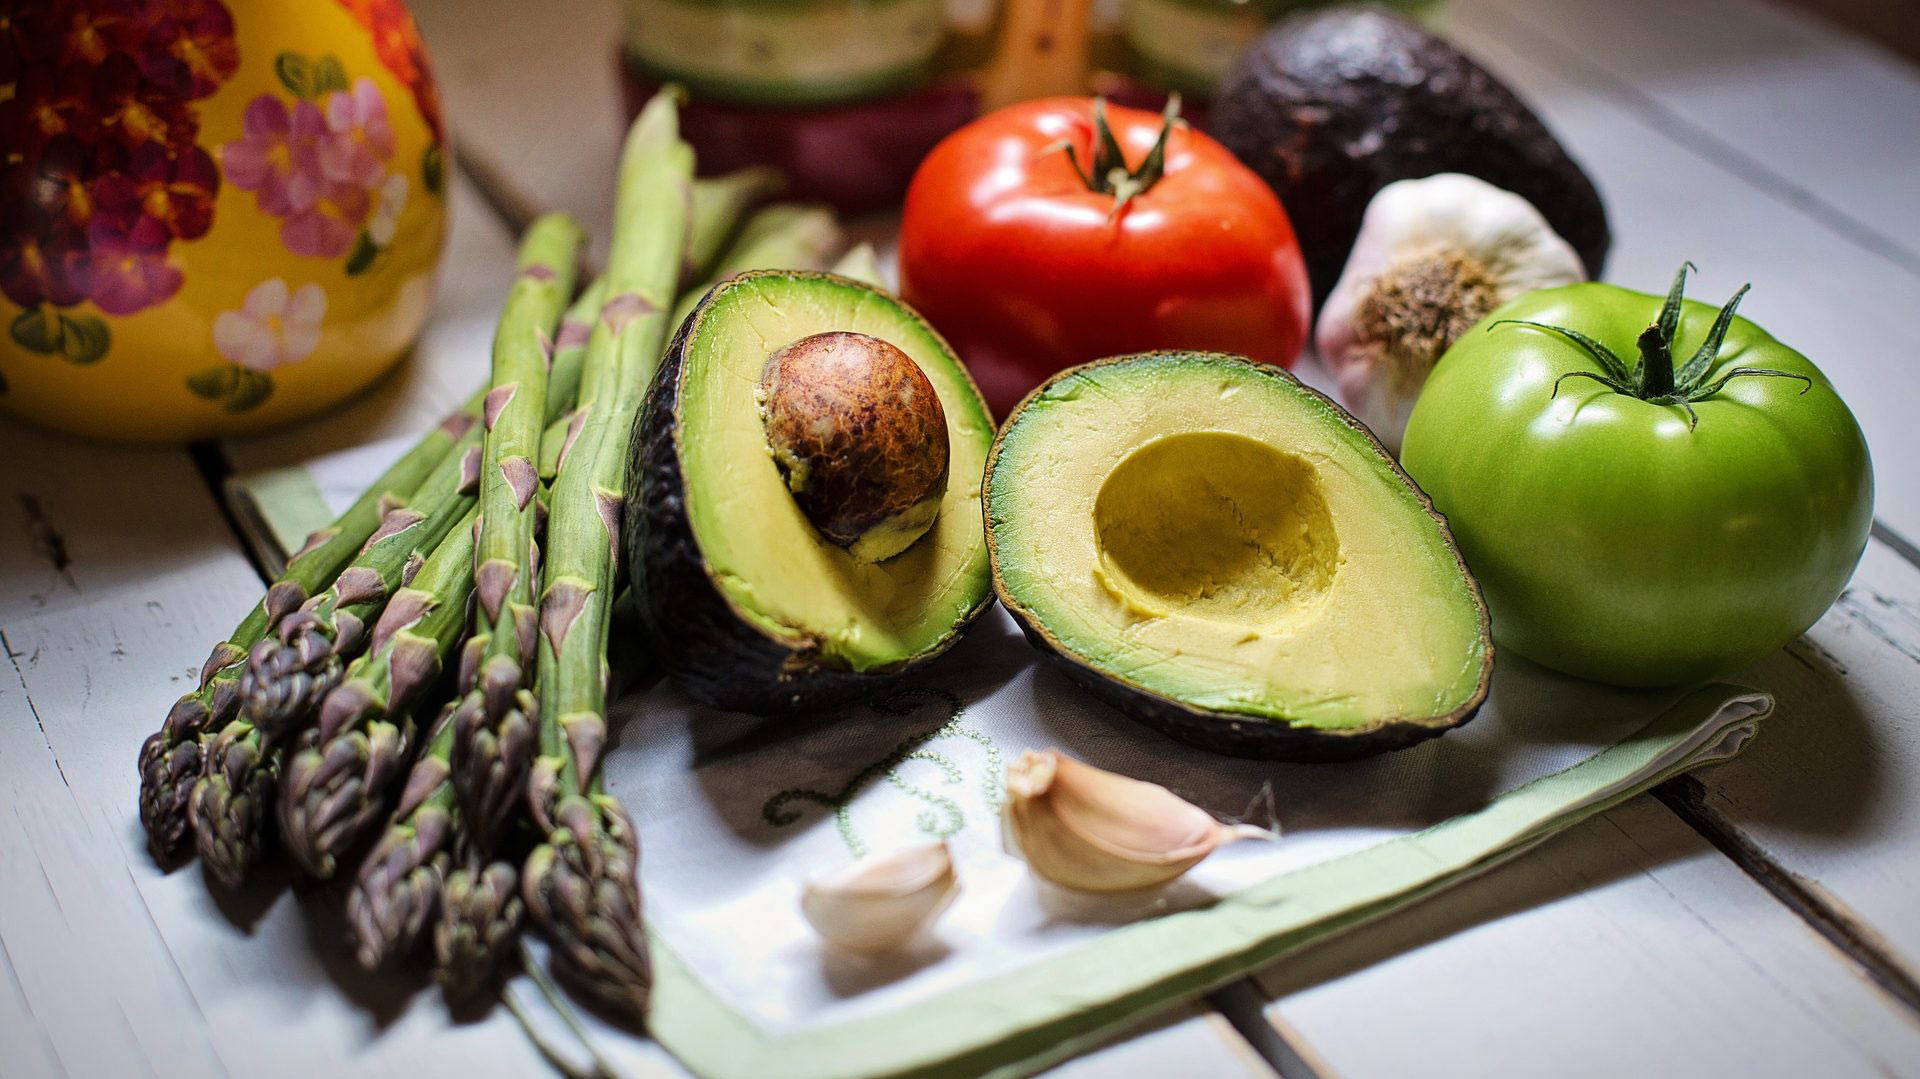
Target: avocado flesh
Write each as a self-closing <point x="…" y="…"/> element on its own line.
<point x="774" y="569"/>
<point x="1214" y="537"/>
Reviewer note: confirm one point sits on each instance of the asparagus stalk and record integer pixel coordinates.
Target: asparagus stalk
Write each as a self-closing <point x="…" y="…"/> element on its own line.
<point x="404" y="879"/>
<point x="397" y="888"/>
<point x="862" y="264"/>
<point x="493" y="735"/>
<point x="785" y="236"/>
<point x="570" y="351"/>
<point x="287" y="676"/>
<point x="171" y="758"/>
<point x="334" y="784"/>
<point x="718" y="205"/>
<point x="580" y="883"/>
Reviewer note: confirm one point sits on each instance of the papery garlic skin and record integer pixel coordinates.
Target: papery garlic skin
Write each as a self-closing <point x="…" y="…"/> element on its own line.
<point x="1095" y="831"/>
<point x="1433" y="257"/>
<point x="882" y="901"/>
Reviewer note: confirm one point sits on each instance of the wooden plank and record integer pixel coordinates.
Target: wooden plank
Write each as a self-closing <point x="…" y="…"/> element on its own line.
<point x="143" y="566"/>
<point x="31" y="1052"/>
<point x="1822" y="116"/>
<point x="1625" y="946"/>
<point x="547" y="122"/>
<point x="1830" y="792"/>
<point x="1672" y="199"/>
<point x="1189" y="1040"/>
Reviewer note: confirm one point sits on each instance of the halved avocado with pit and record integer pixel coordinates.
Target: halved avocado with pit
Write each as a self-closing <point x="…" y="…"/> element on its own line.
<point x="1223" y="553"/>
<point x="805" y="533"/>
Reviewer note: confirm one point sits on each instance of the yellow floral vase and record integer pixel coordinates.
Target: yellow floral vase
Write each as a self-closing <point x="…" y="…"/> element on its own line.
<point x="218" y="216"/>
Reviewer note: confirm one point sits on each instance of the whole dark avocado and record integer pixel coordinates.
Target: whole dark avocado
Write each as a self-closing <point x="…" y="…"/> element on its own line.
<point x="1330" y="106"/>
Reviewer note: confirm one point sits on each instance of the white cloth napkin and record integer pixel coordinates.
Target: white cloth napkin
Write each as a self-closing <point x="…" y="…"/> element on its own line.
<point x="735" y="812"/>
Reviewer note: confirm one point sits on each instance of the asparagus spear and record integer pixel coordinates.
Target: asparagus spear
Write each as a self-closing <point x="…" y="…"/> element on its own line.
<point x="718" y="205"/>
<point x="785" y="235"/>
<point x="570" y="351"/>
<point x="407" y="875"/>
<point x="493" y="736"/>
<point x="481" y="913"/>
<point x="398" y="886"/>
<point x="334" y="783"/>
<point x="286" y="676"/>
<point x="401" y="883"/>
<point x="580" y="882"/>
<point x="861" y="263"/>
<point x="171" y="758"/>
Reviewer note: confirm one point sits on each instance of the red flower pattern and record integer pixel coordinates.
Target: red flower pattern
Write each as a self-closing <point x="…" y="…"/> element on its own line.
<point x="101" y="170"/>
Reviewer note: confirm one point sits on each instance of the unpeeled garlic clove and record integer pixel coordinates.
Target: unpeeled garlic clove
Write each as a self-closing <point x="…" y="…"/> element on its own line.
<point x="1094" y="831"/>
<point x="882" y="901"/>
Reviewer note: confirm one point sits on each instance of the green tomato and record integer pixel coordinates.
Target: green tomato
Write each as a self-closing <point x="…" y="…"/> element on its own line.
<point x="1693" y="496"/>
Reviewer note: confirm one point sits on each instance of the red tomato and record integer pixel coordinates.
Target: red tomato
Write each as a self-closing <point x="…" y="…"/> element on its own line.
<point x="1027" y="269"/>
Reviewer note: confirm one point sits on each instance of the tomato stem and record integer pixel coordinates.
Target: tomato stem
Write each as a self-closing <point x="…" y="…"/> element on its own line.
<point x="1656" y="364"/>
<point x="1107" y="173"/>
<point x="1655" y="379"/>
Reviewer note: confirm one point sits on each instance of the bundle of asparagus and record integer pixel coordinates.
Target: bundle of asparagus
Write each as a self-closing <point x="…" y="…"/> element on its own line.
<point x="493" y="539"/>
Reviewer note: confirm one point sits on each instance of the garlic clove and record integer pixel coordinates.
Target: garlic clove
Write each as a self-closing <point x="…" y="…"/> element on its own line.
<point x="882" y="901"/>
<point x="1092" y="830"/>
<point x="1433" y="257"/>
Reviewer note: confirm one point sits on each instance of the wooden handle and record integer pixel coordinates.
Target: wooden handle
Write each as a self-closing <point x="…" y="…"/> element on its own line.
<point x="1042" y="52"/>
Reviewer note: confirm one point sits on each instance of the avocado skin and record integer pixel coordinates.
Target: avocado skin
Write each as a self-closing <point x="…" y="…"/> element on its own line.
<point x="1227" y="734"/>
<point x="1330" y="106"/>
<point x="718" y="657"/>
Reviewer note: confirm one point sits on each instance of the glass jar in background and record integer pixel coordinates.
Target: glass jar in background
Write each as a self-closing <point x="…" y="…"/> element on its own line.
<point x="845" y="95"/>
<point x="785" y="53"/>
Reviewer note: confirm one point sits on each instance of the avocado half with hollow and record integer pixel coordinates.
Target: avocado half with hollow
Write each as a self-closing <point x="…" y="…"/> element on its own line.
<point x="809" y="461"/>
<point x="1225" y="554"/>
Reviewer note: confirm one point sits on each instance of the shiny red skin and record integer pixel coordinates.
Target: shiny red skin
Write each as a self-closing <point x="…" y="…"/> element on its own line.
<point x="1027" y="272"/>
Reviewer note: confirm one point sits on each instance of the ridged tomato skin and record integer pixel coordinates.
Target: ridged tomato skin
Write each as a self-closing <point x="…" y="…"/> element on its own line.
<point x="1614" y="538"/>
<point x="1026" y="271"/>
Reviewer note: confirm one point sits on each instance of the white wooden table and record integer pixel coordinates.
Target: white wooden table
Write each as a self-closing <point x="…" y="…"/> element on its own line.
<point x="1762" y="918"/>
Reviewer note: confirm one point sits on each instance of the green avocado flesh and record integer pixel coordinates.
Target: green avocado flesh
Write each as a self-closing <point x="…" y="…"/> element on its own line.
<point x="1212" y="535"/>
<point x="774" y="569"/>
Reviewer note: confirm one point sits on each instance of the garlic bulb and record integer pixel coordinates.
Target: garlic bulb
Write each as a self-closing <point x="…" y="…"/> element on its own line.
<point x="1432" y="258"/>
<point x="884" y="900"/>
<point x="1094" y="831"/>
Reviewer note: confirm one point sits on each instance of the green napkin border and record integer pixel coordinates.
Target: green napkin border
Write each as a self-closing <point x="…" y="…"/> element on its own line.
<point x="1024" y="1020"/>
<point x="1050" y="1010"/>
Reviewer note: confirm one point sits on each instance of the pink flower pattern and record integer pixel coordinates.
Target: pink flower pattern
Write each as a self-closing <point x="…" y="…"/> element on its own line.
<point x="316" y="167"/>
<point x="360" y="140"/>
<point x="129" y="266"/>
<point x="276" y="326"/>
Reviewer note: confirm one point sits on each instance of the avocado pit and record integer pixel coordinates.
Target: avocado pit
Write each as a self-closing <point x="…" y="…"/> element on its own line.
<point x="860" y="438"/>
